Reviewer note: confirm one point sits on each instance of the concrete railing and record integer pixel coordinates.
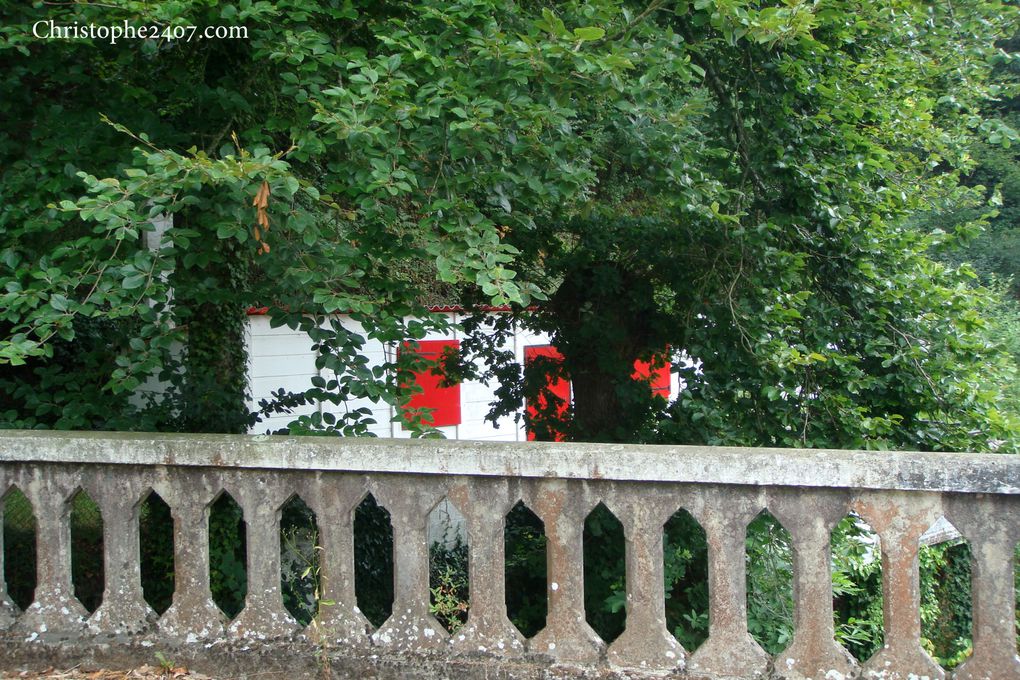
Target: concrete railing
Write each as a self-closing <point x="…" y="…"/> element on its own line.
<point x="899" y="494"/>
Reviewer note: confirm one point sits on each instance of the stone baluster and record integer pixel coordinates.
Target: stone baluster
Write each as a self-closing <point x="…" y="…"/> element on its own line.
<point x="900" y="518"/>
<point x="192" y="614"/>
<point x="411" y="625"/>
<point x="810" y="519"/>
<point x="264" y="617"/>
<point x="55" y="609"/>
<point x="484" y="504"/>
<point x="989" y="523"/>
<point x="729" y="651"/>
<point x="333" y="498"/>
<point x="562" y="507"/>
<point x="8" y="610"/>
<point x="123" y="609"/>
<point x="645" y="642"/>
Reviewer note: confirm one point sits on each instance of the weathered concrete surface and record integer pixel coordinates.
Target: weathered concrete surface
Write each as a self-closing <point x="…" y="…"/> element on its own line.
<point x="901" y="496"/>
<point x="991" y="526"/>
<point x="55" y="609"/>
<point x="123" y="609"/>
<point x="643" y="509"/>
<point x="810" y="518"/>
<point x="905" y="471"/>
<point x="193" y="615"/>
<point x="8" y="610"/>
<point x="264" y="616"/>
<point x="484" y="504"/>
<point x="296" y="660"/>
<point x="563" y="507"/>
<point x="411" y="626"/>
<point x="332" y="496"/>
<point x="900" y="519"/>
<point x="729" y="651"/>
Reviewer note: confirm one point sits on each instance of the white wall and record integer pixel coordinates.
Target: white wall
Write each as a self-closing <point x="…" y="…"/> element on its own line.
<point x="280" y="357"/>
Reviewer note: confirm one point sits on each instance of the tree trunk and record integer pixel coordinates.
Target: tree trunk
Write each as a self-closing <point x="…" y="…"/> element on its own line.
<point x="597" y="412"/>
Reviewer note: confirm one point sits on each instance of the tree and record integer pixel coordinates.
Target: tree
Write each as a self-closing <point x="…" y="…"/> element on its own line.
<point x="733" y="181"/>
<point x="994" y="253"/>
<point x="739" y="172"/>
<point x="365" y="137"/>
<point x="759" y="218"/>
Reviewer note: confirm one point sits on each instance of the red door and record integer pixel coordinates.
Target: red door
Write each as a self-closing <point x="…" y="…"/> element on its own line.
<point x="659" y="376"/>
<point x="543" y="417"/>
<point x="444" y="402"/>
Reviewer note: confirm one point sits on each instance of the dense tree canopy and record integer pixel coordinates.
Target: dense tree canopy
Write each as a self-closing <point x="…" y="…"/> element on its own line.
<point x="735" y="180"/>
<point x="773" y="238"/>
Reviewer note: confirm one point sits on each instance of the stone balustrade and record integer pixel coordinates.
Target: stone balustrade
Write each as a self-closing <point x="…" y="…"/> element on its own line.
<point x="899" y="494"/>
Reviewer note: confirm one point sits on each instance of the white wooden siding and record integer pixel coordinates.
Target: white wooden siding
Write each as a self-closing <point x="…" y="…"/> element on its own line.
<point x="280" y="357"/>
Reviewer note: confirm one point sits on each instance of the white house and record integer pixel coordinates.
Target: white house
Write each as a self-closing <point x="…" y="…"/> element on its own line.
<point x="283" y="358"/>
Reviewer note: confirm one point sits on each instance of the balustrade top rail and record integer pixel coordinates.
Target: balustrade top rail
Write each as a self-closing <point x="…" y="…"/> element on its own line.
<point x="900" y="470"/>
<point x="899" y="494"/>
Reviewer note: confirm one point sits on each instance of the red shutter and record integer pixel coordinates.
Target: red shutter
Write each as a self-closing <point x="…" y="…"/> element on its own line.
<point x="559" y="387"/>
<point x="444" y="401"/>
<point x="659" y="376"/>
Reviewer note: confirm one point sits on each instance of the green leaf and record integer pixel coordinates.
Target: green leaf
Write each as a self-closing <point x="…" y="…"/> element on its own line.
<point x="589" y="33"/>
<point x="134" y="281"/>
<point x="58" y="302"/>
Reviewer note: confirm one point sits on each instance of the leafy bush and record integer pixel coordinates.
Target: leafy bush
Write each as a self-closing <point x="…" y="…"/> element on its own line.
<point x="228" y="570"/>
<point x="449" y="599"/>
<point x="373" y="560"/>
<point x="857" y="587"/>
<point x="685" y="571"/>
<point x="299" y="561"/>
<point x="19" y="529"/>
<point x="604" y="574"/>
<point x="156" y="540"/>
<point x="87" y="564"/>
<point x="525" y="571"/>
<point x="946" y="614"/>
<point x="769" y="562"/>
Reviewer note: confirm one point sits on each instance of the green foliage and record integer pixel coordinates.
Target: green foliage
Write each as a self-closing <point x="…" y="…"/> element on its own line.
<point x="857" y="587"/>
<point x="685" y="570"/>
<point x="605" y="573"/>
<point x="373" y="561"/>
<point x="995" y="253"/>
<point x="740" y="183"/>
<point x="946" y="613"/>
<point x="754" y="209"/>
<point x="301" y="587"/>
<point x="214" y="381"/>
<point x="449" y="593"/>
<point x="228" y="555"/>
<point x="769" y="561"/>
<point x="525" y="570"/>
<point x="19" y="527"/>
<point x="371" y="148"/>
<point x="87" y="564"/>
<point x="1004" y="332"/>
<point x="165" y="664"/>
<point x="156" y="549"/>
<point x="730" y="180"/>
